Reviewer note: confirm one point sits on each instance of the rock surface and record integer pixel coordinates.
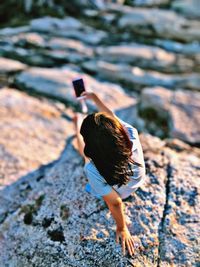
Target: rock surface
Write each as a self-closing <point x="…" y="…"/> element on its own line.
<point x="136" y="78"/>
<point x="68" y="27"/>
<point x="190" y="8"/>
<point x="57" y="84"/>
<point x="149" y="50"/>
<point x="9" y="66"/>
<point x="147" y="57"/>
<point x="158" y="23"/>
<point x="67" y="226"/>
<point x="179" y="107"/>
<point x="33" y="133"/>
<point x="150" y="3"/>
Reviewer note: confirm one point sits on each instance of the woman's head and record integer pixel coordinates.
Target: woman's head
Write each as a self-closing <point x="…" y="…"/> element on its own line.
<point x="108" y="145"/>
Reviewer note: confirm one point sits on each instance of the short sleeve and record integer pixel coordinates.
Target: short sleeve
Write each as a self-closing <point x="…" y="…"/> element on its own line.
<point x="96" y="181"/>
<point x="134" y="138"/>
<point x="132" y="131"/>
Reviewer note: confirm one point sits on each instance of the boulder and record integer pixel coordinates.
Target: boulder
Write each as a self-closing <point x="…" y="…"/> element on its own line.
<point x="158" y="23"/>
<point x="191" y="49"/>
<point x="136" y="78"/>
<point x="70" y="45"/>
<point x="148" y="3"/>
<point x="13" y="30"/>
<point x="68" y="27"/>
<point x="147" y="57"/>
<point x="40" y="50"/>
<point x="57" y="84"/>
<point x="68" y="50"/>
<point x="47" y="218"/>
<point x="28" y="56"/>
<point x="181" y="109"/>
<point x="189" y="8"/>
<point x="89" y="36"/>
<point x="33" y="133"/>
<point x="51" y="24"/>
<point x="9" y="66"/>
<point x="28" y="40"/>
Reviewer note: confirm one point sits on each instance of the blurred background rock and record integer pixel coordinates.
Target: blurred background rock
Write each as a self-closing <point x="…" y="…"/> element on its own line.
<point x="143" y="58"/>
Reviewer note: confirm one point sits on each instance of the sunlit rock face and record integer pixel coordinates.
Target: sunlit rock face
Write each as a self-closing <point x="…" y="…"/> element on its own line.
<point x="147" y="57"/>
<point x="33" y="133"/>
<point x="136" y="78"/>
<point x="66" y="225"/>
<point x="180" y="106"/>
<point x="149" y="3"/>
<point x="189" y="8"/>
<point x="161" y="21"/>
<point x="8" y="68"/>
<point x="143" y="60"/>
<point x="57" y="84"/>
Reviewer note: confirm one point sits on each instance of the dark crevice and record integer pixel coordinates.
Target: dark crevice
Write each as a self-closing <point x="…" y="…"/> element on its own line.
<point x="57" y="234"/>
<point x="165" y="212"/>
<point x="103" y="207"/>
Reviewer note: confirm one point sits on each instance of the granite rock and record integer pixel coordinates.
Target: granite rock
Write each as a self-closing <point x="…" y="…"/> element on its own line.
<point x="158" y="23"/>
<point x="69" y="28"/>
<point x="57" y="84"/>
<point x="181" y="109"/>
<point x="39" y="50"/>
<point x="149" y="3"/>
<point x="191" y="49"/>
<point x="189" y="8"/>
<point x="147" y="57"/>
<point x="33" y="133"/>
<point x="46" y="217"/>
<point x="67" y="226"/>
<point x="9" y="66"/>
<point x="135" y="78"/>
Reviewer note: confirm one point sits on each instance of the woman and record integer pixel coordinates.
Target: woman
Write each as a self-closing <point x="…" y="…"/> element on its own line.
<point x="114" y="162"/>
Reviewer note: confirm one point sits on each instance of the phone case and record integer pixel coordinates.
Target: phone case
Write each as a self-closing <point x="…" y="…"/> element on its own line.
<point x="78" y="86"/>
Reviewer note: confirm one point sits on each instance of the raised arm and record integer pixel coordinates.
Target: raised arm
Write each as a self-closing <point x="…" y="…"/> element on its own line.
<point x="116" y="207"/>
<point x="100" y="105"/>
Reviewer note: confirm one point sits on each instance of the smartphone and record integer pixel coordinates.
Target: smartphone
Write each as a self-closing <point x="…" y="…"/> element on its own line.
<point x="78" y="86"/>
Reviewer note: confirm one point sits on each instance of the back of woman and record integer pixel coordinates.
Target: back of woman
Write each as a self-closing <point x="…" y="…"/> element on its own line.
<point x="114" y="162"/>
<point x="120" y="154"/>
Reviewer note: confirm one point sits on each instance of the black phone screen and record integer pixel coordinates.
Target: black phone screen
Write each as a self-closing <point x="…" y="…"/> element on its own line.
<point x="78" y="86"/>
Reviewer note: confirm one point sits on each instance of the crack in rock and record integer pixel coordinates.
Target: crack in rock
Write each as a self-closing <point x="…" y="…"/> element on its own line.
<point x="165" y="211"/>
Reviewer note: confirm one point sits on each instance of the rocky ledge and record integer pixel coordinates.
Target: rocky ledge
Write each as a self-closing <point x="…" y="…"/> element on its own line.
<point x="143" y="59"/>
<point x="47" y="219"/>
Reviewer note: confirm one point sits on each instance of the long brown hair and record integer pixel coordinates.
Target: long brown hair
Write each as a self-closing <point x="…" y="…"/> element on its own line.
<point x="108" y="145"/>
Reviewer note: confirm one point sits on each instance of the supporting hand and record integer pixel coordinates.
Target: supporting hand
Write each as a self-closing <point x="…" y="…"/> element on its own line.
<point x="126" y="240"/>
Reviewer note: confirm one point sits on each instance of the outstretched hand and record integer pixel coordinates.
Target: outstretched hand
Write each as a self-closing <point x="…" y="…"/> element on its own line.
<point x="126" y="240"/>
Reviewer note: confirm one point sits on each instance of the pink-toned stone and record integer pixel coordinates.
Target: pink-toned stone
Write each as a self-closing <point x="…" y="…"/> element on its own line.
<point x="183" y="108"/>
<point x="33" y="133"/>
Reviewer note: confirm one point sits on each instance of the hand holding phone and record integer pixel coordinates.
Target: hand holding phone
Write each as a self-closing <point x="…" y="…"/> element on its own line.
<point x="79" y="88"/>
